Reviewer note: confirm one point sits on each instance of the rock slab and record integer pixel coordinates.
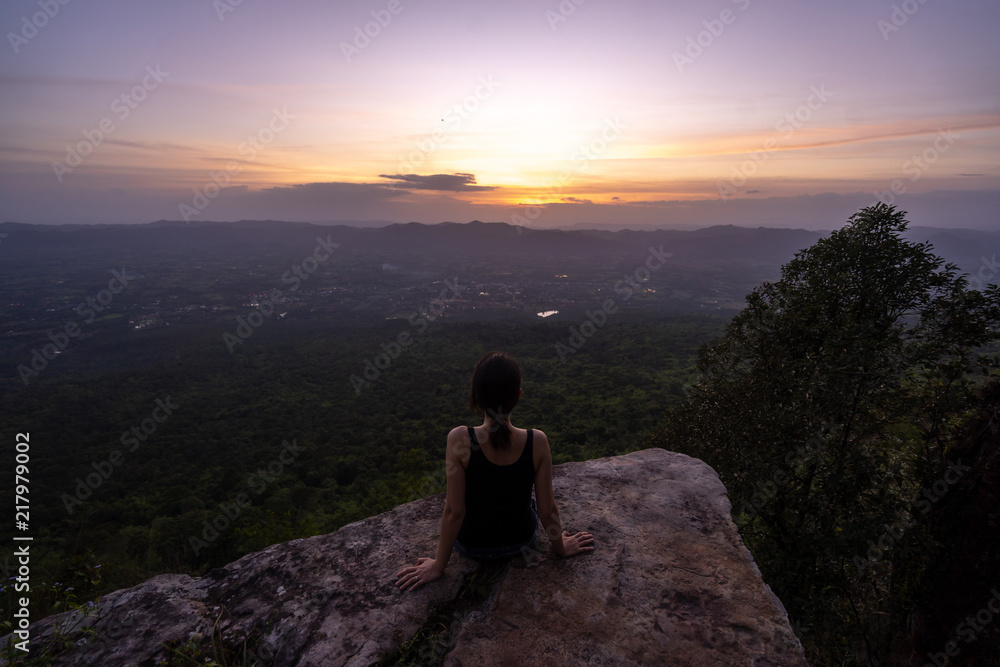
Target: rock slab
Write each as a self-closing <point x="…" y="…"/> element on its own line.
<point x="668" y="583"/>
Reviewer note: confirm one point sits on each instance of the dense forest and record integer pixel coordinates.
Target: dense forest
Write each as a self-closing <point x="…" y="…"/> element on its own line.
<point x="280" y="422"/>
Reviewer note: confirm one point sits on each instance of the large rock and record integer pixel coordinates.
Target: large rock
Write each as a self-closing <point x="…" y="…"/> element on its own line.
<point x="668" y="583"/>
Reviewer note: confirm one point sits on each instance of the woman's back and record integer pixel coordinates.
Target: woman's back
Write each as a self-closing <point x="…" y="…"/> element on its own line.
<point x="498" y="490"/>
<point x="503" y="457"/>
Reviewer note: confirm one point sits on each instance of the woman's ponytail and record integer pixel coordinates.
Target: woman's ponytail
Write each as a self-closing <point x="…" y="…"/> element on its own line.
<point x="500" y="436"/>
<point x="496" y="387"/>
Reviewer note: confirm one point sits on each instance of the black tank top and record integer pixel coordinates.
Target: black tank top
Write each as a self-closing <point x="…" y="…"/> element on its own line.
<point x="497" y="499"/>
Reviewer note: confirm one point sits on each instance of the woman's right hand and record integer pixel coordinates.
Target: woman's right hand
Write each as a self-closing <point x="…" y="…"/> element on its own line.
<point x="575" y="544"/>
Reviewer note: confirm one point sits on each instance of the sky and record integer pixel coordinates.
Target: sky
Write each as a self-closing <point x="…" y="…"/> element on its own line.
<point x="586" y="113"/>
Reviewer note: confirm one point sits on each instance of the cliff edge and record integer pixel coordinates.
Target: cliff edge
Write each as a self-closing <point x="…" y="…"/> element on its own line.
<point x="669" y="583"/>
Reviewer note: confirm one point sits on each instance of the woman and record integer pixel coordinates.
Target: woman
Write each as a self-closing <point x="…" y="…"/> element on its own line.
<point x="488" y="511"/>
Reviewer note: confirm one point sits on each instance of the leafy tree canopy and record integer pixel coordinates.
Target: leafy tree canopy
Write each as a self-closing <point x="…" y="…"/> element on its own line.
<point x="830" y="398"/>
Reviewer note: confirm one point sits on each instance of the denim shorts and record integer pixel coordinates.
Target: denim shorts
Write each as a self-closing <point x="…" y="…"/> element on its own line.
<point x="491" y="553"/>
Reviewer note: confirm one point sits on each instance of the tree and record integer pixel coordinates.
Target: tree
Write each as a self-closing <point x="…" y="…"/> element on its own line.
<point x="833" y="392"/>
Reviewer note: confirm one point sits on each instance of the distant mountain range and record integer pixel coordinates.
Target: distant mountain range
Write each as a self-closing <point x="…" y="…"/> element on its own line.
<point x="970" y="249"/>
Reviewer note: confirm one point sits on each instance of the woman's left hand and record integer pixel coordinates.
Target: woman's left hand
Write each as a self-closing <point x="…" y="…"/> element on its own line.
<point x="426" y="569"/>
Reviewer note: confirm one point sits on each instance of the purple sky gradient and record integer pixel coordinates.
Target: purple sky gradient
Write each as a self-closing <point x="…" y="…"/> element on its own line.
<point x="786" y="113"/>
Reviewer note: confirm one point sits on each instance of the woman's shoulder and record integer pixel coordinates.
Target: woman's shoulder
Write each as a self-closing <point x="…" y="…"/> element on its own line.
<point x="458" y="445"/>
<point x="539" y="448"/>
<point x="539" y="442"/>
<point x="537" y="435"/>
<point x="458" y="439"/>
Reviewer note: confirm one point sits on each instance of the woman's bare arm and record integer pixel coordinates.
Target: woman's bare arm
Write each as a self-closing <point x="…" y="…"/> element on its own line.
<point x="563" y="543"/>
<point x="429" y="569"/>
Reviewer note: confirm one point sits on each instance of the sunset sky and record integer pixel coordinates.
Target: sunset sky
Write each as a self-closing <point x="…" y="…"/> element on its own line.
<point x="625" y="113"/>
